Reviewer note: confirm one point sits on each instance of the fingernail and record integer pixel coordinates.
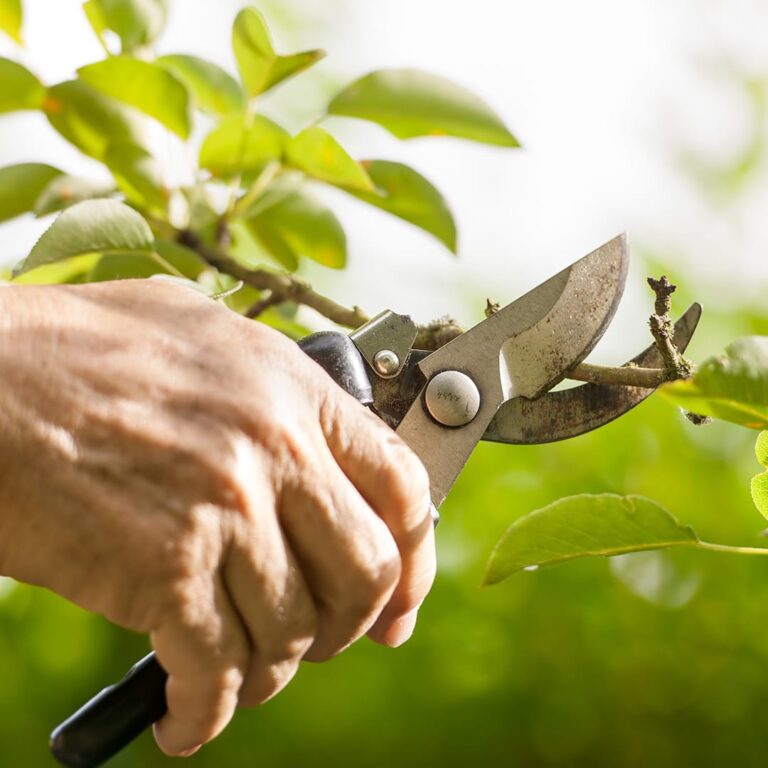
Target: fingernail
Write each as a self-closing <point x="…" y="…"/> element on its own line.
<point x="402" y="630"/>
<point x="190" y="752"/>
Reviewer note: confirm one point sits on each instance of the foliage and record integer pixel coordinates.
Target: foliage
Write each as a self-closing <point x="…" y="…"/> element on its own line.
<point x="269" y="217"/>
<point x="732" y="386"/>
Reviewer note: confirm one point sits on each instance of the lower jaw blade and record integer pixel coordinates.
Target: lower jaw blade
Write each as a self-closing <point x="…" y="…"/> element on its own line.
<point x="572" y="412"/>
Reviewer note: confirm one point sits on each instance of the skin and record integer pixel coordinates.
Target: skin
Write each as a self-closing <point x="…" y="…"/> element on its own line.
<point x="191" y="474"/>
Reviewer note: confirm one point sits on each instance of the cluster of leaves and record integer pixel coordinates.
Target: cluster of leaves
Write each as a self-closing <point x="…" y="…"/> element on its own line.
<point x="250" y="196"/>
<point x="732" y="387"/>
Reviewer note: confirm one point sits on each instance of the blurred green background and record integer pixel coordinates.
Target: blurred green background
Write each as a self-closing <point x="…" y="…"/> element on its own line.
<point x="648" y="660"/>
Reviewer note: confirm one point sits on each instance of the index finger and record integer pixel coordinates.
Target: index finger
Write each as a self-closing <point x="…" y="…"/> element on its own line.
<point x="395" y="484"/>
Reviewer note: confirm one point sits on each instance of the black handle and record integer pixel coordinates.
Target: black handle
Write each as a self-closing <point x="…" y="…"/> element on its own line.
<point x="117" y="715"/>
<point x="112" y="718"/>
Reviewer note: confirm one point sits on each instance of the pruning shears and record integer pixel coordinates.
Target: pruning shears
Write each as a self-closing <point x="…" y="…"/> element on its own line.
<point x="492" y="382"/>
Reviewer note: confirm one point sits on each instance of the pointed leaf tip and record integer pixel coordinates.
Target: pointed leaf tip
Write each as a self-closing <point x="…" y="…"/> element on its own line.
<point x="261" y="67"/>
<point x="411" y="103"/>
<point x="11" y="19"/>
<point x="405" y="193"/>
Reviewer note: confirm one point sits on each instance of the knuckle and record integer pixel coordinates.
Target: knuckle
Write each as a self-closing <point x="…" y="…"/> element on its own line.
<point x="373" y="581"/>
<point x="295" y="636"/>
<point x="265" y="681"/>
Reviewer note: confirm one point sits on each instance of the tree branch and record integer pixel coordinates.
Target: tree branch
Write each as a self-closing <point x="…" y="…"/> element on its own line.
<point x="281" y="285"/>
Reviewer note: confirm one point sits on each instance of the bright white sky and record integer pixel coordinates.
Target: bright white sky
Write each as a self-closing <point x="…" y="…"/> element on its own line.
<point x="604" y="95"/>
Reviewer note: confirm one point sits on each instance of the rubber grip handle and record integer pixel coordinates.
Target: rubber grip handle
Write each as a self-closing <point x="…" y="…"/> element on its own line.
<point x="117" y="715"/>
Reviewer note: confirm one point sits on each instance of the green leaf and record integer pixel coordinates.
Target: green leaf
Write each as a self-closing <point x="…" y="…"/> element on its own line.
<point x="125" y="266"/>
<point x="251" y="250"/>
<point x="11" y="18"/>
<point x="585" y="526"/>
<point x="240" y="144"/>
<point x="182" y="259"/>
<point x="319" y="155"/>
<point x="138" y="176"/>
<point x="215" y="91"/>
<point x="74" y="270"/>
<point x="145" y="86"/>
<point x="95" y="226"/>
<point x="261" y="68"/>
<point x="406" y="194"/>
<point x="21" y="185"/>
<point x="136" y="22"/>
<point x="90" y="121"/>
<point x="275" y="318"/>
<point x="409" y="103"/>
<point x="759" y="489"/>
<point x="299" y="225"/>
<point x="761" y="449"/>
<point x="732" y="386"/>
<point x="759" y="485"/>
<point x="65" y="191"/>
<point x="19" y="88"/>
<point x="170" y="260"/>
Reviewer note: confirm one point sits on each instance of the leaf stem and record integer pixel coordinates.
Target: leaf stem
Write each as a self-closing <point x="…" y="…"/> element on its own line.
<point x="730" y="549"/>
<point x="166" y="265"/>
<point x="265" y="178"/>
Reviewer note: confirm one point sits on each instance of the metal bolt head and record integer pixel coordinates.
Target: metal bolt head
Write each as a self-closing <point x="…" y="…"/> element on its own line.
<point x="452" y="398"/>
<point x="386" y="362"/>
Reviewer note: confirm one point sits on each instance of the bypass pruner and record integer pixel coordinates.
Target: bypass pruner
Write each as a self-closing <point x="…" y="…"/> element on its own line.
<point x="492" y="382"/>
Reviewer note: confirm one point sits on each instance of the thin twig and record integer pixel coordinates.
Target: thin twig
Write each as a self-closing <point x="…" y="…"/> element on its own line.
<point x="626" y="376"/>
<point x="263" y="304"/>
<point x="662" y="330"/>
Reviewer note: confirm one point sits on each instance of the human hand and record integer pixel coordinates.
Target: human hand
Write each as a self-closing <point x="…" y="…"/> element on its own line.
<point x="192" y="474"/>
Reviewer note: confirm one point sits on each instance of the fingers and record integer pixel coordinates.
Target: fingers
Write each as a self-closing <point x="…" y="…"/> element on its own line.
<point x="266" y="585"/>
<point x="205" y="653"/>
<point x="396" y="485"/>
<point x="346" y="552"/>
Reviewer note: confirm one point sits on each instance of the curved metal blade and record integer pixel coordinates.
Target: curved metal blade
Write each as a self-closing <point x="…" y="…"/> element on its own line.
<point x="571" y="412"/>
<point x="523" y="349"/>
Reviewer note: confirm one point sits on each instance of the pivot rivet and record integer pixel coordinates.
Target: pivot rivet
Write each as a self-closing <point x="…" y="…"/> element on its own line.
<point x="386" y="362"/>
<point x="452" y="398"/>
